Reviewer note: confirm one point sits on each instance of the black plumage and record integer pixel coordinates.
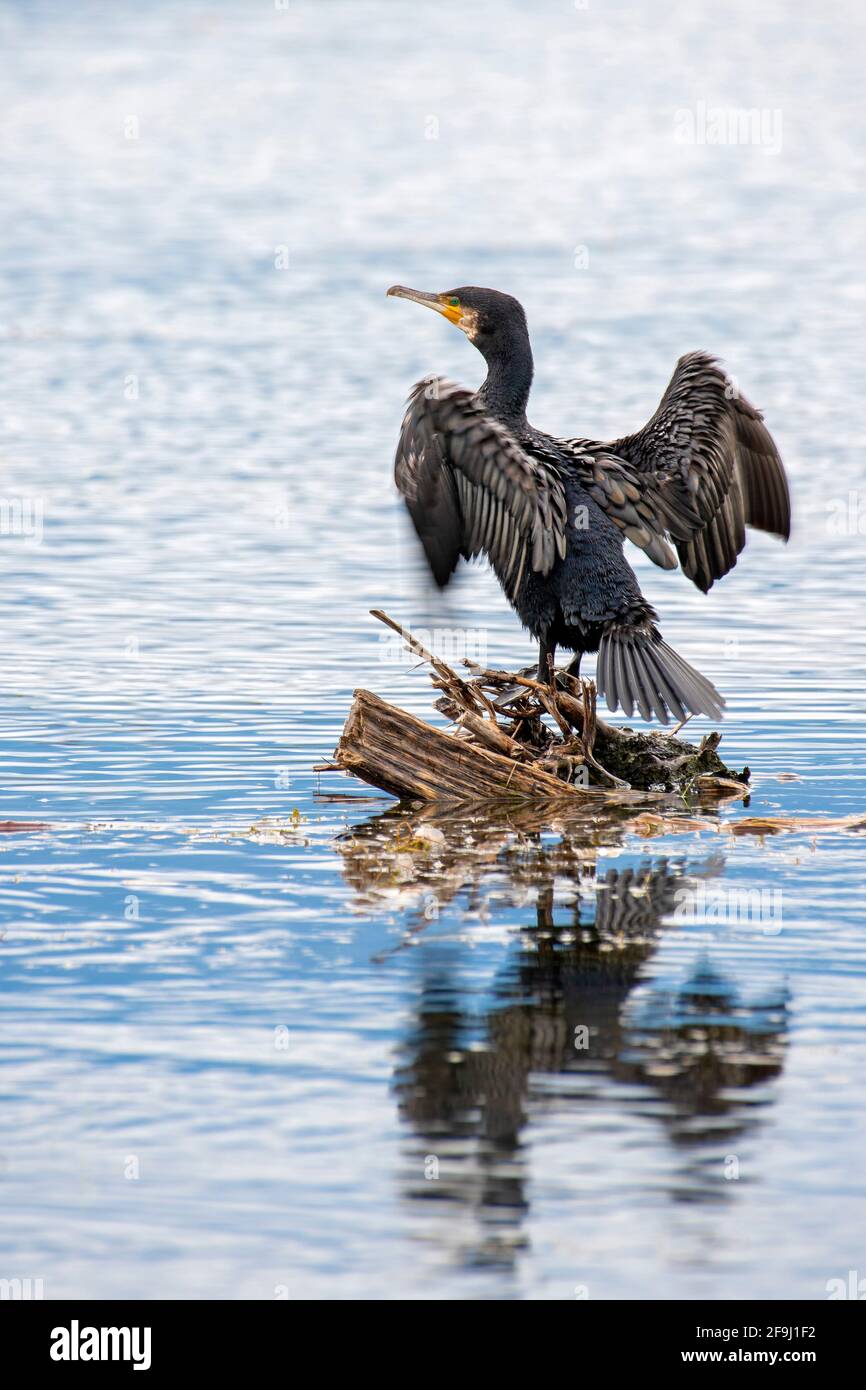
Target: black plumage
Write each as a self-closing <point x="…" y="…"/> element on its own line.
<point x="551" y="514"/>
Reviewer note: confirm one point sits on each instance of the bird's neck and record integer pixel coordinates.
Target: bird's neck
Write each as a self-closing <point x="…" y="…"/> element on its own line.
<point x="505" y="391"/>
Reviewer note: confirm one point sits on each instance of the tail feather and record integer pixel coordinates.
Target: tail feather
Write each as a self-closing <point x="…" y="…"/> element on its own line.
<point x="664" y="688"/>
<point x="637" y="668"/>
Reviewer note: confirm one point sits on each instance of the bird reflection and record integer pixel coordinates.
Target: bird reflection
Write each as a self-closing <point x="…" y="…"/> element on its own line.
<point x="701" y="1046"/>
<point x="567" y="1015"/>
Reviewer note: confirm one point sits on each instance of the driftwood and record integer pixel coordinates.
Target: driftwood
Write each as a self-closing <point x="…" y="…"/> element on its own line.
<point x="401" y="754"/>
<point x="517" y="739"/>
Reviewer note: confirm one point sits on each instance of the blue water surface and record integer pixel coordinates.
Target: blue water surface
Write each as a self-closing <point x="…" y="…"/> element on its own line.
<point x="261" y="1036"/>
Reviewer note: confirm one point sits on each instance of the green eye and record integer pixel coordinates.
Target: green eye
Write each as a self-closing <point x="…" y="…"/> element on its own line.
<point x="454" y="303"/>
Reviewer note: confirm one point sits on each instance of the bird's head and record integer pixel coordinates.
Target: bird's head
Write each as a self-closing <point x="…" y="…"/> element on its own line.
<point x="492" y="321"/>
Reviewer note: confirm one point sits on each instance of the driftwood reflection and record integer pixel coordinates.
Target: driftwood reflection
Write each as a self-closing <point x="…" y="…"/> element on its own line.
<point x="417" y="864"/>
<point x="562" y="1019"/>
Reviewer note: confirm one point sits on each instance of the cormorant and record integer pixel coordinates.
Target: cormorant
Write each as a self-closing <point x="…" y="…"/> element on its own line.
<point x="551" y="514"/>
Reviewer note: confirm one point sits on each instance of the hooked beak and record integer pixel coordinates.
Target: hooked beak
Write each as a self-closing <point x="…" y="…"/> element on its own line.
<point x="439" y="302"/>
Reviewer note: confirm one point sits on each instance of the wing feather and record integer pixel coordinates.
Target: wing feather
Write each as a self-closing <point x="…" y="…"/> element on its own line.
<point x="471" y="488"/>
<point x="703" y="469"/>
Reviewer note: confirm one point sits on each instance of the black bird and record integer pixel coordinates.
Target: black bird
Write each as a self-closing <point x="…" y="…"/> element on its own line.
<point x="551" y="514"/>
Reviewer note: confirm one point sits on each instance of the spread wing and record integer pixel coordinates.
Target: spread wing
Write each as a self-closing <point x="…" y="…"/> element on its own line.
<point x="703" y="469"/>
<point x="472" y="489"/>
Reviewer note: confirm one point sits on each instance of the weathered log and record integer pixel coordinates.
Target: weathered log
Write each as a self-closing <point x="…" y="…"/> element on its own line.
<point x="393" y="750"/>
<point x="571" y="757"/>
<point x="493" y="737"/>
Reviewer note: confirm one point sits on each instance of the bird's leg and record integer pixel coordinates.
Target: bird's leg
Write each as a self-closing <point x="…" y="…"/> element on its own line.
<point x="546" y="654"/>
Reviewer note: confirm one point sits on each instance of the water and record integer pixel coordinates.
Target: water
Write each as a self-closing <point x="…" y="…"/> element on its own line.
<point x="253" y="1045"/>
